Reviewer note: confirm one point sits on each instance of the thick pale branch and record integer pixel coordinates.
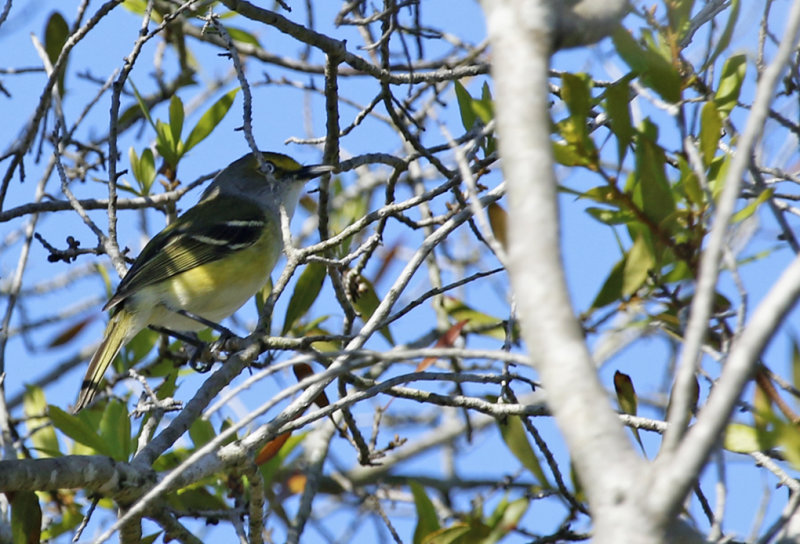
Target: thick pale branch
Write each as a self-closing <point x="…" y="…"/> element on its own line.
<point x="97" y="473"/>
<point x="520" y="33"/>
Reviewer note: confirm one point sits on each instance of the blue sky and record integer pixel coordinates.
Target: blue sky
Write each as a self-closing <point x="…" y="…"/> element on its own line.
<point x="589" y="250"/>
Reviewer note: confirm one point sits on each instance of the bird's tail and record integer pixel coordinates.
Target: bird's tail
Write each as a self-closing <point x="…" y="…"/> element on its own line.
<point x="118" y="331"/>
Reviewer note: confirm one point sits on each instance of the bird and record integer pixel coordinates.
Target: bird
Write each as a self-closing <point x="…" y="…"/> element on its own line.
<point x="209" y="261"/>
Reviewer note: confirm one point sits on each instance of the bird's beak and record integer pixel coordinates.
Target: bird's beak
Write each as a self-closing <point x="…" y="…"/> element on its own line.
<point x="310" y="172"/>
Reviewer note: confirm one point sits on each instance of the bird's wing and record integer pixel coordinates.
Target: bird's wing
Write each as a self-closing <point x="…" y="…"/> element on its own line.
<point x="195" y="238"/>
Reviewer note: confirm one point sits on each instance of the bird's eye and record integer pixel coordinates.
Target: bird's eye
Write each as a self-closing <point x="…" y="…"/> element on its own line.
<point x="269" y="168"/>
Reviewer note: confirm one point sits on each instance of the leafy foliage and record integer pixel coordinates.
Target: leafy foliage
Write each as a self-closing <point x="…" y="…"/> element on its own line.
<point x="644" y="150"/>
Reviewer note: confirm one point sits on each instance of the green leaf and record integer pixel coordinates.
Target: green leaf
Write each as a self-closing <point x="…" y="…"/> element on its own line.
<point x="690" y="183"/>
<point x="168" y="387"/>
<point x="69" y="519"/>
<point x="658" y="43"/>
<point x="136" y="6"/>
<point x="652" y="191"/>
<point x="730" y="83"/>
<point x="78" y="429"/>
<point x="365" y="300"/>
<point x="710" y="132"/>
<point x="427" y="521"/>
<point x="484" y="107"/>
<point x="788" y="437"/>
<point x="133" y="158"/>
<point x="56" y="33"/>
<point x="515" y="437"/>
<point x="568" y="155"/>
<point x="506" y="517"/>
<point x="175" y="117"/>
<point x="149" y="539"/>
<point x="227" y="423"/>
<point x="497" y="514"/>
<point x="678" y="272"/>
<point x="639" y="262"/>
<point x="626" y="394"/>
<point x="144" y="169"/>
<point x="457" y="533"/>
<point x="239" y="35"/>
<point x="26" y="518"/>
<point x="210" y="119"/>
<point x="679" y="13"/>
<point x="261" y="297"/>
<point x="468" y="116"/>
<point x="322" y="346"/>
<point x="576" y="94"/>
<point x="196" y="499"/>
<point x="490" y="144"/>
<point x="166" y="146"/>
<point x="142" y="104"/>
<point x="762" y="408"/>
<point x="602" y="194"/>
<point x="139" y="7"/>
<point x="753" y="205"/>
<point x="308" y="286"/>
<point x="130" y="114"/>
<point x="147" y="166"/>
<point x="171" y="459"/>
<point x="627" y="400"/>
<point x="343" y="216"/>
<point x="717" y="173"/>
<point x="43" y="436"/>
<point x="115" y="430"/>
<point x="201" y="432"/>
<point x="611" y="291"/>
<point x="725" y="39"/>
<point x="653" y="69"/>
<point x="741" y="438"/>
<point x="514" y="513"/>
<point x="611" y="217"/>
<point x="498" y="221"/>
<point x="581" y="148"/>
<point x="618" y="97"/>
<point x="577" y="485"/>
<point x="478" y="322"/>
<point x="486" y="94"/>
<point x="136" y="350"/>
<point x="476" y="111"/>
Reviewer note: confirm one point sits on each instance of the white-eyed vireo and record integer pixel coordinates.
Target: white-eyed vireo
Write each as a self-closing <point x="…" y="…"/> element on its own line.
<point x="209" y="261"/>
